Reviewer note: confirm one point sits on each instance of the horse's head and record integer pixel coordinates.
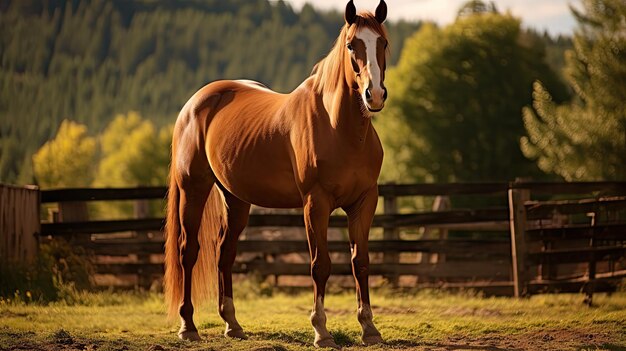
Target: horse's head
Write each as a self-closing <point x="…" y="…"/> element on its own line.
<point x="366" y="54"/>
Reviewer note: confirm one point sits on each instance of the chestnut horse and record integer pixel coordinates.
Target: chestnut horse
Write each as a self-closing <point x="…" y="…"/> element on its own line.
<point x="238" y="143"/>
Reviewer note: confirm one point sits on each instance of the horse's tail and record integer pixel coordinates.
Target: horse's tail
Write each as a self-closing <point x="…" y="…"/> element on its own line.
<point x="204" y="280"/>
<point x="173" y="278"/>
<point x="204" y="277"/>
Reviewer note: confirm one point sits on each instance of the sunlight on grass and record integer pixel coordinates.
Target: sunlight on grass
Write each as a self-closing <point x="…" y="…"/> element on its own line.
<point x="281" y="321"/>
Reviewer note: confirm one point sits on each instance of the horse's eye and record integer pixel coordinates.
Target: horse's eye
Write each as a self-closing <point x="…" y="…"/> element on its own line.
<point x="349" y="46"/>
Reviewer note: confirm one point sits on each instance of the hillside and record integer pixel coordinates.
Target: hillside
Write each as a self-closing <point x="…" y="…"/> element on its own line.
<point x="90" y="60"/>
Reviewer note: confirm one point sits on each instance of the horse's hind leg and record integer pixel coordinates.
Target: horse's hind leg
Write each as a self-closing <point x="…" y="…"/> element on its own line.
<point x="193" y="196"/>
<point x="237" y="219"/>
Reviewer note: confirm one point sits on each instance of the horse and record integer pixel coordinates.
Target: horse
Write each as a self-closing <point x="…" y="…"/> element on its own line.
<point x="237" y="143"/>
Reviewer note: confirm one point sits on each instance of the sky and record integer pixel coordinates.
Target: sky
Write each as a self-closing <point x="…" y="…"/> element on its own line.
<point x="551" y="15"/>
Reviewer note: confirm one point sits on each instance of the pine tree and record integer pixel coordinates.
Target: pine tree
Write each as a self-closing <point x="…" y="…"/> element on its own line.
<point x="585" y="139"/>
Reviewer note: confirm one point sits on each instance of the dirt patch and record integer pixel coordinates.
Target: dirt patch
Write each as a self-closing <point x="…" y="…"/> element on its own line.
<point x="543" y="340"/>
<point x="554" y="340"/>
<point x="62" y="337"/>
<point x="60" y="340"/>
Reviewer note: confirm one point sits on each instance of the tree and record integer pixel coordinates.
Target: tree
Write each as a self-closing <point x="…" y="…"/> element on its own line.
<point x="473" y="7"/>
<point x="133" y="153"/>
<point x="66" y="161"/>
<point x="585" y="139"/>
<point x="455" y="101"/>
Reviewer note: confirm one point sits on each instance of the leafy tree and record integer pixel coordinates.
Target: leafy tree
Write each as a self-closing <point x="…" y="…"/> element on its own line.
<point x="585" y="139"/>
<point x="66" y="161"/>
<point x="133" y="153"/>
<point x="456" y="97"/>
<point x="473" y="7"/>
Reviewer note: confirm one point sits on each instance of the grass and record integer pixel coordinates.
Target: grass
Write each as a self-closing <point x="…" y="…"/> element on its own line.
<point x="426" y="320"/>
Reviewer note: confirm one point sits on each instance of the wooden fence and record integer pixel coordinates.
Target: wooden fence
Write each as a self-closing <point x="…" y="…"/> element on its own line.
<point x="523" y="241"/>
<point x="568" y="245"/>
<point x="19" y="224"/>
<point x="485" y="260"/>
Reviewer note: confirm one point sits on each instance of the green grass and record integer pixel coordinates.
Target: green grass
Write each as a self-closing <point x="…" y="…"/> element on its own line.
<point x="407" y="321"/>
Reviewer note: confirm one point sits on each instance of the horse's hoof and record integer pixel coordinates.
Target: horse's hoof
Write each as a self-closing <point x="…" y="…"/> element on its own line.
<point x="326" y="343"/>
<point x="372" y="340"/>
<point x="236" y="334"/>
<point x="191" y="335"/>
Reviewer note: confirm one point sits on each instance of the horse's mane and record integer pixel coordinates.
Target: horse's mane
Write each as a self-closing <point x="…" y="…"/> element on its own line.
<point x="330" y="70"/>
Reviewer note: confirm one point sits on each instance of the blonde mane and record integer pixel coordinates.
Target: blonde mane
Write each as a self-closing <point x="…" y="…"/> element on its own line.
<point x="330" y="71"/>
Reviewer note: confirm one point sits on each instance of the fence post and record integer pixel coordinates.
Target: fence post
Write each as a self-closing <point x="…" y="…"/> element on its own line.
<point x="19" y="224"/>
<point x="75" y="212"/>
<point x="441" y="203"/>
<point x="390" y="232"/>
<point x="591" y="269"/>
<point x="519" y="251"/>
<point x="144" y="279"/>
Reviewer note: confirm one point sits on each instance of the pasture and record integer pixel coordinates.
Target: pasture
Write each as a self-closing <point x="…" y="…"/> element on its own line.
<point x="416" y="320"/>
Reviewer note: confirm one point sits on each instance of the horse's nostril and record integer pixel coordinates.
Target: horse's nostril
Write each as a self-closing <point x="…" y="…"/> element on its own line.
<point x="384" y="93"/>
<point x="368" y="94"/>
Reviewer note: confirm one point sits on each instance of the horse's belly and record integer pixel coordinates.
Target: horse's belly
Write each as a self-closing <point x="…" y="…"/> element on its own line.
<point x="266" y="187"/>
<point x="259" y="173"/>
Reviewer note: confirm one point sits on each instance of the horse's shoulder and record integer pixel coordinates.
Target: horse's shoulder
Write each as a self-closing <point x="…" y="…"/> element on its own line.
<point x="307" y="87"/>
<point x="304" y="97"/>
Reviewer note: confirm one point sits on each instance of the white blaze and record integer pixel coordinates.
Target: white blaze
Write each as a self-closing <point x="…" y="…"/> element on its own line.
<point x="370" y="38"/>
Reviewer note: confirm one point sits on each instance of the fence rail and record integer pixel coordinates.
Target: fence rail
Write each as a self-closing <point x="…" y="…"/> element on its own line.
<point x="292" y="220"/>
<point x="538" y="241"/>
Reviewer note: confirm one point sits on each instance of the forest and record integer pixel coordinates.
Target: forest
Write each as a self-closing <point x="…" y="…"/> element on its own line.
<point x="88" y="61"/>
<point x="90" y="89"/>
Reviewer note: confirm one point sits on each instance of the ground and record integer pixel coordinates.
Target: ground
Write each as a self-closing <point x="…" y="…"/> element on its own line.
<point x="408" y="321"/>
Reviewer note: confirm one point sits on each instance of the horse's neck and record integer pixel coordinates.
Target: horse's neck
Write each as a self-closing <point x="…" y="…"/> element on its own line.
<point x="346" y="115"/>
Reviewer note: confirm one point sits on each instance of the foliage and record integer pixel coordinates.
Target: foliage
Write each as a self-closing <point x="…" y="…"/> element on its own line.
<point x="133" y="153"/>
<point x="585" y="139"/>
<point x="455" y="99"/>
<point x="473" y="7"/>
<point x="28" y="283"/>
<point x="61" y="271"/>
<point x="66" y="161"/>
<point x="69" y="264"/>
<point x="92" y="60"/>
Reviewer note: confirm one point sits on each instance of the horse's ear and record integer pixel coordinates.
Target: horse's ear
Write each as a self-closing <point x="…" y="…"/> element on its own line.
<point x="350" y="15"/>
<point x="381" y="11"/>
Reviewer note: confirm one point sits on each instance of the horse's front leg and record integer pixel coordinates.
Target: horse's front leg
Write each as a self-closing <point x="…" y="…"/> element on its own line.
<point x="317" y="210"/>
<point x="360" y="217"/>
